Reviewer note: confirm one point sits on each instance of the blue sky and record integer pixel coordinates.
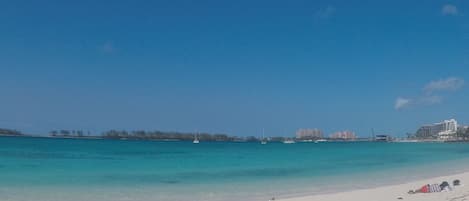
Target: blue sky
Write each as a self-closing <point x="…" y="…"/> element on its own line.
<point x="233" y="66"/>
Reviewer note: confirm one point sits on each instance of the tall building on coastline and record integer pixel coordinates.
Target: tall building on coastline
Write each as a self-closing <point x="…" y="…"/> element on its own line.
<point x="345" y="135"/>
<point x="443" y="130"/>
<point x="308" y="133"/>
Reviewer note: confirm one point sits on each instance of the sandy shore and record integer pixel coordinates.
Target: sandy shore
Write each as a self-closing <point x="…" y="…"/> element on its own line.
<point x="398" y="192"/>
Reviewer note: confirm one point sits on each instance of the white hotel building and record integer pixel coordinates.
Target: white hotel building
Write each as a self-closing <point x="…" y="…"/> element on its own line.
<point x="443" y="130"/>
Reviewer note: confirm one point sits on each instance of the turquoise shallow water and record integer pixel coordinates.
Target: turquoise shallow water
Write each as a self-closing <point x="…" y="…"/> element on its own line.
<point x="71" y="169"/>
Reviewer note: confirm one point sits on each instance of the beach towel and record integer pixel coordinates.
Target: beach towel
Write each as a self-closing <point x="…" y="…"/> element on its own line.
<point x="434" y="188"/>
<point x="424" y="189"/>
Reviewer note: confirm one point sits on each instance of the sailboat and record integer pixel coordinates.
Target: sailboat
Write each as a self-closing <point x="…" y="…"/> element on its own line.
<point x="320" y="140"/>
<point x="263" y="140"/>
<point x="288" y="141"/>
<point x="196" y="140"/>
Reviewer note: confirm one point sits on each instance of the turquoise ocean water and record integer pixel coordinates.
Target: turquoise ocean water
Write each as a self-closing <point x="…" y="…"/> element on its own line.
<point x="43" y="169"/>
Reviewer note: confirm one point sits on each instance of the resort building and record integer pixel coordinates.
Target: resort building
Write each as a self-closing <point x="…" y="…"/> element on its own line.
<point x="309" y="133"/>
<point x="463" y="129"/>
<point x="345" y="135"/>
<point x="443" y="130"/>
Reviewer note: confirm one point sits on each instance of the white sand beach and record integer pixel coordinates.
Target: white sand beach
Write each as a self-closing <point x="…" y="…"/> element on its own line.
<point x="398" y="192"/>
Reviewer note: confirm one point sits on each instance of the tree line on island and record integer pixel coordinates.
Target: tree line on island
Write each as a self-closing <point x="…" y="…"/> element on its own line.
<point x="5" y="131"/>
<point x="141" y="135"/>
<point x="462" y="134"/>
<point x="161" y="135"/>
<point x="69" y="133"/>
<point x="169" y="135"/>
<point x="153" y="135"/>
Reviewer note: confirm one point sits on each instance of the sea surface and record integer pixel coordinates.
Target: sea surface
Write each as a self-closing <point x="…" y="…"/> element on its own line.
<point x="47" y="169"/>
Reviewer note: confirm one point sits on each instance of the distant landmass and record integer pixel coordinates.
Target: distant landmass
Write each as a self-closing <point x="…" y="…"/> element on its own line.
<point x="462" y="134"/>
<point x="155" y="135"/>
<point x="4" y="131"/>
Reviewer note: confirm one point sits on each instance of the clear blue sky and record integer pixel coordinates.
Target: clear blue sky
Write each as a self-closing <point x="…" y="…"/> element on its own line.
<point x="233" y="66"/>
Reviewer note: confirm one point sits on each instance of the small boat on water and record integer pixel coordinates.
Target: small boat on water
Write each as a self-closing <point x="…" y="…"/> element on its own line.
<point x="382" y="138"/>
<point x="288" y="141"/>
<point x="263" y="140"/>
<point x="196" y="140"/>
<point x="320" y="140"/>
<point x="406" y="141"/>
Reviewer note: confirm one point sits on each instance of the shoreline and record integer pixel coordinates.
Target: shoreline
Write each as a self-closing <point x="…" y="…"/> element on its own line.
<point x="397" y="192"/>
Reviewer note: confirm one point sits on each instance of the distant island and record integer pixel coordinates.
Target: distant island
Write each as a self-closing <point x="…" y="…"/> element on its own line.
<point x="4" y="131"/>
<point x="137" y="135"/>
<point x="180" y="136"/>
<point x="446" y="131"/>
<point x="161" y="136"/>
<point x="165" y="136"/>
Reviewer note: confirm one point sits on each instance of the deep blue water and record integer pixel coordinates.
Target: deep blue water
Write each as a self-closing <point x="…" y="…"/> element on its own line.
<point x="209" y="170"/>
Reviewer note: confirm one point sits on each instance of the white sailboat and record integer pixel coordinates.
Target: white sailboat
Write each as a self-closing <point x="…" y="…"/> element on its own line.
<point x="288" y="141"/>
<point x="320" y="140"/>
<point x="196" y="140"/>
<point x="263" y="140"/>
